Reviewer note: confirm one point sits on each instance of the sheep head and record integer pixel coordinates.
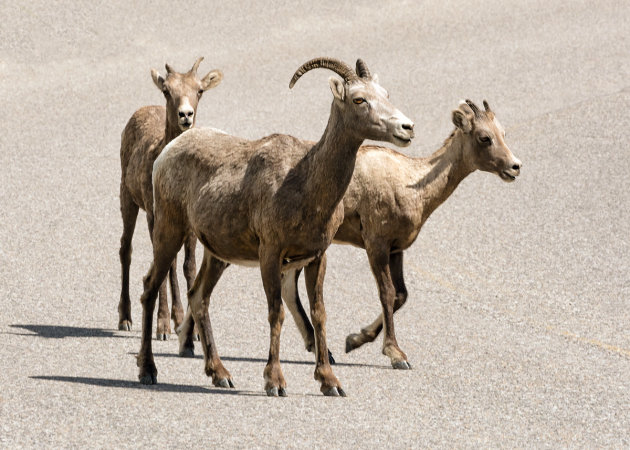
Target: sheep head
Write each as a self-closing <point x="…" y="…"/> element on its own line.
<point x="182" y="92"/>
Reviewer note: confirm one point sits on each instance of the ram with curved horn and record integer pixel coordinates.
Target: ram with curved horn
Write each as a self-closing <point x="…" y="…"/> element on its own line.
<point x="339" y="67"/>
<point x="147" y="132"/>
<point x="274" y="203"/>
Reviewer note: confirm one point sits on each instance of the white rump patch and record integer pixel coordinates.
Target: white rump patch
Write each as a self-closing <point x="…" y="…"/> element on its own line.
<point x="160" y="157"/>
<point x="215" y="130"/>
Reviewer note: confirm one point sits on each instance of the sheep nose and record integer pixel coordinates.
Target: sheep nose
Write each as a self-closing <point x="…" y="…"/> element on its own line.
<point x="517" y="164"/>
<point x="188" y="113"/>
<point x="408" y="126"/>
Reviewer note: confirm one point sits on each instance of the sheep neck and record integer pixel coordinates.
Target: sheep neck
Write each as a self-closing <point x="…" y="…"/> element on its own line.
<point x="332" y="161"/>
<point x="442" y="172"/>
<point x="171" y="131"/>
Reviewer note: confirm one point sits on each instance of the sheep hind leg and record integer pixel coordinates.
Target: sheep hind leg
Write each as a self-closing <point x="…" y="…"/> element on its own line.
<point x="314" y="277"/>
<point x="291" y="298"/>
<point x="387" y="270"/>
<point x="129" y="212"/>
<point x="177" y="309"/>
<point x="185" y="335"/>
<point x="190" y="268"/>
<point x="366" y="335"/>
<point x="271" y="272"/>
<point x="396" y="270"/>
<point x="199" y="301"/>
<point x="164" y="250"/>
<point x="188" y="332"/>
<point x="163" y="326"/>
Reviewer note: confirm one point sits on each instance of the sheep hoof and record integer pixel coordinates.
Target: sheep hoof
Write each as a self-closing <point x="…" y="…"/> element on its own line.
<point x="148" y="379"/>
<point x="224" y="383"/>
<point x="352" y="342"/>
<point x="282" y="392"/>
<point x="196" y="337"/>
<point x="272" y="392"/>
<point x="187" y="352"/>
<point x="331" y="360"/>
<point x="334" y="392"/>
<point x="161" y="336"/>
<point x="401" y="365"/>
<point x="125" y="325"/>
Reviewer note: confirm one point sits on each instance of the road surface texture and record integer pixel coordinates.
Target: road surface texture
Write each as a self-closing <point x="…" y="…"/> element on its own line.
<point x="517" y="325"/>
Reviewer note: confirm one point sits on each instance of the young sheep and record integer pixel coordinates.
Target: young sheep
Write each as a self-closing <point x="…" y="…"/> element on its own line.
<point x="148" y="131"/>
<point x="388" y="200"/>
<point x="273" y="203"/>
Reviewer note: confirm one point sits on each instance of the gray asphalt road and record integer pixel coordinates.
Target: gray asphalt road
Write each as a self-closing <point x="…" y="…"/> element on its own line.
<point x="518" y="319"/>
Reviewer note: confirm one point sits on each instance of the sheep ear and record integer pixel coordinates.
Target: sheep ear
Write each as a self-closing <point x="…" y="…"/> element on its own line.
<point x="337" y="88"/>
<point x="157" y="79"/>
<point x="212" y="80"/>
<point x="462" y="121"/>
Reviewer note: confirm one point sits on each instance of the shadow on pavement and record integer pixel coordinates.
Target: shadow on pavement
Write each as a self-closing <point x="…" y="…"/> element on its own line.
<point x="264" y="361"/>
<point x="160" y="387"/>
<point x="60" y="332"/>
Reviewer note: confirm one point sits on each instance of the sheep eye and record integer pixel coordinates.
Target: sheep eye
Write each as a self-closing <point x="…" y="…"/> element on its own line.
<point x="165" y="92"/>
<point x="200" y="92"/>
<point x="358" y="101"/>
<point x="485" y="140"/>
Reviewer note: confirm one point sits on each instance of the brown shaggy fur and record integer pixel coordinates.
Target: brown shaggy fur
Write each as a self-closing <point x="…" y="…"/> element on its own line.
<point x="273" y="203"/>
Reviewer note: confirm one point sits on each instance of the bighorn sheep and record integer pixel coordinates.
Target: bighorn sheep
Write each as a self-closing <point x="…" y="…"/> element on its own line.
<point x="273" y="203"/>
<point x="389" y="199"/>
<point x="148" y="131"/>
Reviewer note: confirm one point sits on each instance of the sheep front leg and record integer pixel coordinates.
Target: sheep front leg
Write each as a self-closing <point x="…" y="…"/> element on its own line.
<point x="129" y="212"/>
<point x="314" y="277"/>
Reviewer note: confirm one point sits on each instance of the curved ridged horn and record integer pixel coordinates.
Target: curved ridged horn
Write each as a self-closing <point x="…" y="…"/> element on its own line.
<point x="473" y="107"/>
<point x="196" y="66"/>
<point x="362" y="69"/>
<point x="339" y="67"/>
<point x="486" y="106"/>
<point x="169" y="69"/>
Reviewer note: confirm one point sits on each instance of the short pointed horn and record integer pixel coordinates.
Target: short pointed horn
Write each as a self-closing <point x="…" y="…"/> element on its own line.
<point x="362" y="69"/>
<point x="489" y="112"/>
<point x="196" y="66"/>
<point x="169" y="69"/>
<point x="474" y="107"/>
<point x="339" y="67"/>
